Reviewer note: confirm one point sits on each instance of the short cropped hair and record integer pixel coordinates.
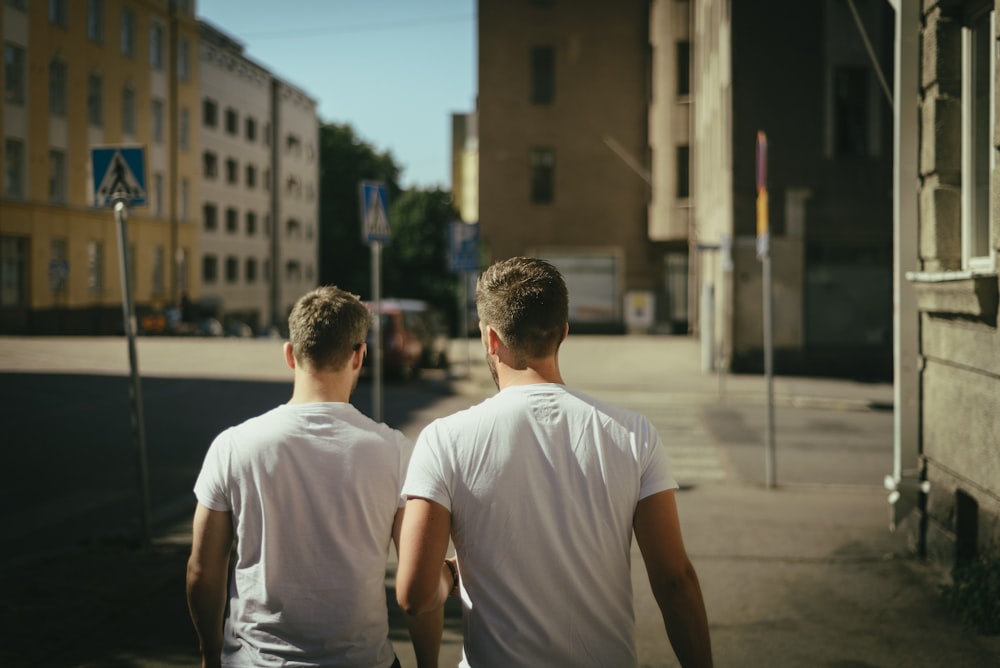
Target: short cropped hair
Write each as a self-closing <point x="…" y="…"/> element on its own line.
<point x="526" y="301"/>
<point x="325" y="326"/>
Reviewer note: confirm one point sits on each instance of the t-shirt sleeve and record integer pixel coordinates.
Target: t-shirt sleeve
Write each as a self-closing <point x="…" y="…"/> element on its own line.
<point x="426" y="476"/>
<point x="656" y="474"/>
<point x="212" y="484"/>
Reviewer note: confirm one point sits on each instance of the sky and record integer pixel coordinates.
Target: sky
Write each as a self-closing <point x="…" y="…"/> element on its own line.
<point x="394" y="70"/>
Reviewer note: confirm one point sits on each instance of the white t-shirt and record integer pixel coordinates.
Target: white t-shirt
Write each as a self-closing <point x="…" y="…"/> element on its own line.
<point x="313" y="489"/>
<point x="542" y="484"/>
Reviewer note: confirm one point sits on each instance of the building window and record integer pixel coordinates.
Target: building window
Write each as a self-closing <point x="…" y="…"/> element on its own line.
<point x="57" y="87"/>
<point x="850" y="111"/>
<point x="58" y="265"/>
<point x="543" y="165"/>
<point x="293" y="144"/>
<point x="157" y="112"/>
<point x="13" y="271"/>
<point x="978" y="152"/>
<point x="128" y="110"/>
<point x="543" y="74"/>
<point x="211" y="165"/>
<point x="211" y="217"/>
<point x="13" y="74"/>
<point x="184" y="128"/>
<point x="293" y="271"/>
<point x="293" y="230"/>
<point x="251" y="176"/>
<point x="209" y="113"/>
<point x="232" y="269"/>
<point x="232" y="221"/>
<point x="251" y="223"/>
<point x="95" y="267"/>
<point x="95" y="20"/>
<point x="57" y="177"/>
<point x="57" y="12"/>
<point x="232" y="121"/>
<point x="156" y="46"/>
<point x="128" y="33"/>
<point x="183" y="60"/>
<point x="683" y="69"/>
<point x="13" y="163"/>
<point x="251" y="270"/>
<point x="251" y="129"/>
<point x="232" y="171"/>
<point x="158" y="195"/>
<point x="683" y="172"/>
<point x="209" y="269"/>
<point x="181" y="259"/>
<point x="159" y="271"/>
<point x="95" y="104"/>
<point x="185" y="199"/>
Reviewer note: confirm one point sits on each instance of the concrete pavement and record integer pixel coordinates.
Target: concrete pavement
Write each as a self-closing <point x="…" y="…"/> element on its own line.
<point x="806" y="574"/>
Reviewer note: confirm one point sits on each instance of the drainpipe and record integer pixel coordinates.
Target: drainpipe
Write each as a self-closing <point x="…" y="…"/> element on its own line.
<point x="904" y="483"/>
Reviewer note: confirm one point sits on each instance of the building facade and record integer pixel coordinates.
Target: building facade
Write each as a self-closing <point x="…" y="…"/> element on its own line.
<point x="815" y="78"/>
<point x="295" y="206"/>
<point x="951" y="241"/>
<point x="564" y="137"/>
<point x="79" y="75"/>
<point x="236" y="216"/>
<point x="231" y="170"/>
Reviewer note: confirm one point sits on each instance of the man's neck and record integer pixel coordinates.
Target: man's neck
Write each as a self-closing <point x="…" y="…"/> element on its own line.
<point x="533" y="373"/>
<point x="313" y="388"/>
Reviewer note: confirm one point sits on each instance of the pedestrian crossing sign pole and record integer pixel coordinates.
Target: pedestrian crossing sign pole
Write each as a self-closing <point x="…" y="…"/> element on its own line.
<point x="120" y="182"/>
<point x="375" y="231"/>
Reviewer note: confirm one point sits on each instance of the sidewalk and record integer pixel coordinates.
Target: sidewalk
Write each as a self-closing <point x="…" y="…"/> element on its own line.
<point x="801" y="575"/>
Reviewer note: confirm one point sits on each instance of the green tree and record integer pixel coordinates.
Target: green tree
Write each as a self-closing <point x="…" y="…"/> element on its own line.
<point x="415" y="261"/>
<point x="346" y="161"/>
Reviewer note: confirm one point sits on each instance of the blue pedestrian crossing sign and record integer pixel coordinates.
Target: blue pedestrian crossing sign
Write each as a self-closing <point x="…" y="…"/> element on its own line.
<point x="463" y="246"/>
<point x="374" y="212"/>
<point x="119" y="174"/>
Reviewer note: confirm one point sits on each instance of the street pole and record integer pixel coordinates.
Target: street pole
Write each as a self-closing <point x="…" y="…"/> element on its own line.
<point x="128" y="321"/>
<point x="376" y="247"/>
<point x="764" y="255"/>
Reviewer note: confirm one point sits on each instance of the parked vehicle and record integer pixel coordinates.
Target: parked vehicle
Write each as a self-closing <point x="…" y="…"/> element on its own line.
<point x="413" y="338"/>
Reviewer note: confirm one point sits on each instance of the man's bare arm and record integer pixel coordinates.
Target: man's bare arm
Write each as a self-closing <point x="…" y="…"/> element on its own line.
<point x="207" y="571"/>
<point x="673" y="579"/>
<point x="423" y="582"/>
<point x="425" y="629"/>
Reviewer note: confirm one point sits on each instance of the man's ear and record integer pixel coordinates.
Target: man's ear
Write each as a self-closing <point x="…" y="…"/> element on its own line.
<point x="493" y="340"/>
<point x="289" y="355"/>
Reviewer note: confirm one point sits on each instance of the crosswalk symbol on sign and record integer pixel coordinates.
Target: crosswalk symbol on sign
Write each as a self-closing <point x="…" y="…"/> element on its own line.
<point x="121" y="175"/>
<point x="374" y="214"/>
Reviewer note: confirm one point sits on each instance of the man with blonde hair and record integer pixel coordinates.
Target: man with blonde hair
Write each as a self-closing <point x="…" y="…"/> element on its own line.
<point x="310" y="490"/>
<point x="541" y="488"/>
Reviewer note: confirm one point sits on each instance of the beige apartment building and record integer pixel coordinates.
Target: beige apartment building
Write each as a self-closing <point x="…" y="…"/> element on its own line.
<point x="78" y="75"/>
<point x="295" y="165"/>
<point x="565" y="138"/>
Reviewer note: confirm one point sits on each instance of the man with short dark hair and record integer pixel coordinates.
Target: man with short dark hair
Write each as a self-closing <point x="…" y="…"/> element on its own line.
<point x="310" y="490"/>
<point x="541" y="489"/>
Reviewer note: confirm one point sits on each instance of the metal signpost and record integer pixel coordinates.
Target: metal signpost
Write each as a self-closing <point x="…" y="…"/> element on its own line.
<point x="764" y="255"/>
<point x="463" y="259"/>
<point x="120" y="182"/>
<point x="375" y="231"/>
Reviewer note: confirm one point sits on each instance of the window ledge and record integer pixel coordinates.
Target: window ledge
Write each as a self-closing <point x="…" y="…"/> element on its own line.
<point x="969" y="294"/>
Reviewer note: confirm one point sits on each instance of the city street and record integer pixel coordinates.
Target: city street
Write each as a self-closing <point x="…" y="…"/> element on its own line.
<point x="806" y="574"/>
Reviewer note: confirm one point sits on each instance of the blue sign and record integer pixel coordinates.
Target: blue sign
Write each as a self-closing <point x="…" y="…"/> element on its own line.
<point x="374" y="212"/>
<point x="463" y="246"/>
<point x="119" y="174"/>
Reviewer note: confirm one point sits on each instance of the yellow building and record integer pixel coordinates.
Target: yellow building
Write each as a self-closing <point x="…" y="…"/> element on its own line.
<point x="78" y="75"/>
